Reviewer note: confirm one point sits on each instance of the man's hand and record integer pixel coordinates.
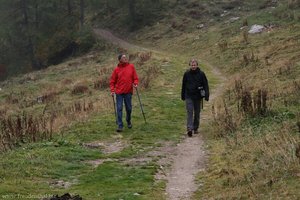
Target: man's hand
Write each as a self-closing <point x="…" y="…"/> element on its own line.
<point x="135" y="85"/>
<point x="112" y="94"/>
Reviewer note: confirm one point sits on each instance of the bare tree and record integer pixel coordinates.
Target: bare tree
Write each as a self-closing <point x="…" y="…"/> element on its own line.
<point x="69" y="5"/>
<point x="28" y="36"/>
<point x="81" y="12"/>
<point x="132" y="12"/>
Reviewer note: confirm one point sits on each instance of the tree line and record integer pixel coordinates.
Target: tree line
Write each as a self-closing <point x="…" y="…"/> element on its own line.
<point x="35" y="33"/>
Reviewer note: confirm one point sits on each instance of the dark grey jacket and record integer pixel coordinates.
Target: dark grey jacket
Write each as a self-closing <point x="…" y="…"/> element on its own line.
<point x="192" y="80"/>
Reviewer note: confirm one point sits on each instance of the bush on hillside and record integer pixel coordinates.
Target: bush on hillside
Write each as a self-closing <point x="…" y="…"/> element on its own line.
<point x="292" y="4"/>
<point x="80" y="89"/>
<point x="102" y="83"/>
<point x="85" y="39"/>
<point x="288" y="11"/>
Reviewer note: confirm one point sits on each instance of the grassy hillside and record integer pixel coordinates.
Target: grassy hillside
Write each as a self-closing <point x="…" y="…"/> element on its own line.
<point x="259" y="156"/>
<point x="253" y="134"/>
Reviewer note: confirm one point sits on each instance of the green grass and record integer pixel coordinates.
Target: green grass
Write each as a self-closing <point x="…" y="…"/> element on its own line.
<point x="256" y="161"/>
<point x="33" y="167"/>
<point x="114" y="181"/>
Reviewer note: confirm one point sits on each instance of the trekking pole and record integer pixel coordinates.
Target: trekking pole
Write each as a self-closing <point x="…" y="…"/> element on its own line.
<point x="137" y="92"/>
<point x="113" y="96"/>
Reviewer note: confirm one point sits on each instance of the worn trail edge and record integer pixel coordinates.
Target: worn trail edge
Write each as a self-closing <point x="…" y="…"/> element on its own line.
<point x="189" y="156"/>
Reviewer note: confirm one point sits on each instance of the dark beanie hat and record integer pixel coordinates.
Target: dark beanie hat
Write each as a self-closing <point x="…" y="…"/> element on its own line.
<point x="120" y="56"/>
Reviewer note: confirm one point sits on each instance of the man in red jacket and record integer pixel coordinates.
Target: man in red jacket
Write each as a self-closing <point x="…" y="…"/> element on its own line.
<point x="122" y="81"/>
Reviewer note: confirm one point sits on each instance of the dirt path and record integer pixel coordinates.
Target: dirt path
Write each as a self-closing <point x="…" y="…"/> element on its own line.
<point x="107" y="35"/>
<point x="189" y="157"/>
<point x="188" y="161"/>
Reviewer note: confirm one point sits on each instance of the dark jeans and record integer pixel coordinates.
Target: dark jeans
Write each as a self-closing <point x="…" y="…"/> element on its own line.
<point x="128" y="106"/>
<point x="193" y="113"/>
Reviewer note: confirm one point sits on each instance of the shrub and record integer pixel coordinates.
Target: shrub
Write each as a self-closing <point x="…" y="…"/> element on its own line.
<point x="150" y="74"/>
<point x="292" y="4"/>
<point x="253" y="104"/>
<point x="47" y="97"/>
<point x="85" y="39"/>
<point x="12" y="99"/>
<point x="80" y="89"/>
<point x="223" y="45"/>
<point x="144" y="57"/>
<point x="101" y="83"/>
<point x="24" y="128"/>
<point x="224" y="120"/>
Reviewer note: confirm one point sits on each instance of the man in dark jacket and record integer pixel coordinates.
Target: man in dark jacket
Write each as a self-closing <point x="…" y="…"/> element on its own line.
<point x="122" y="81"/>
<point x="194" y="89"/>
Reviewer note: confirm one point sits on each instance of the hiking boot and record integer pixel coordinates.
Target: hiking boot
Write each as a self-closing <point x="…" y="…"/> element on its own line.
<point x="129" y="125"/>
<point x="119" y="129"/>
<point x="190" y="133"/>
<point x="196" y="131"/>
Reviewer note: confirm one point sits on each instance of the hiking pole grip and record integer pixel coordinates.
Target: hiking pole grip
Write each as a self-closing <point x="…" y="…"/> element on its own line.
<point x="137" y="93"/>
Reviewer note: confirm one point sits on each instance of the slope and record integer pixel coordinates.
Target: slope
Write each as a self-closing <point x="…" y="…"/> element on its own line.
<point x="90" y="159"/>
<point x="254" y="137"/>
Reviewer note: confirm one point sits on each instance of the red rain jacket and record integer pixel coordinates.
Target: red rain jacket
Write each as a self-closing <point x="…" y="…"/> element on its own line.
<point x="122" y="78"/>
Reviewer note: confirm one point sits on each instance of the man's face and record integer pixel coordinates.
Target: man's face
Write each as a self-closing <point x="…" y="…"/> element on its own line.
<point x="193" y="65"/>
<point x="123" y="59"/>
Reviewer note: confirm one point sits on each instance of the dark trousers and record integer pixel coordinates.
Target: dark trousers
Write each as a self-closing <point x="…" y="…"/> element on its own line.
<point x="128" y="106"/>
<point x="193" y="113"/>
